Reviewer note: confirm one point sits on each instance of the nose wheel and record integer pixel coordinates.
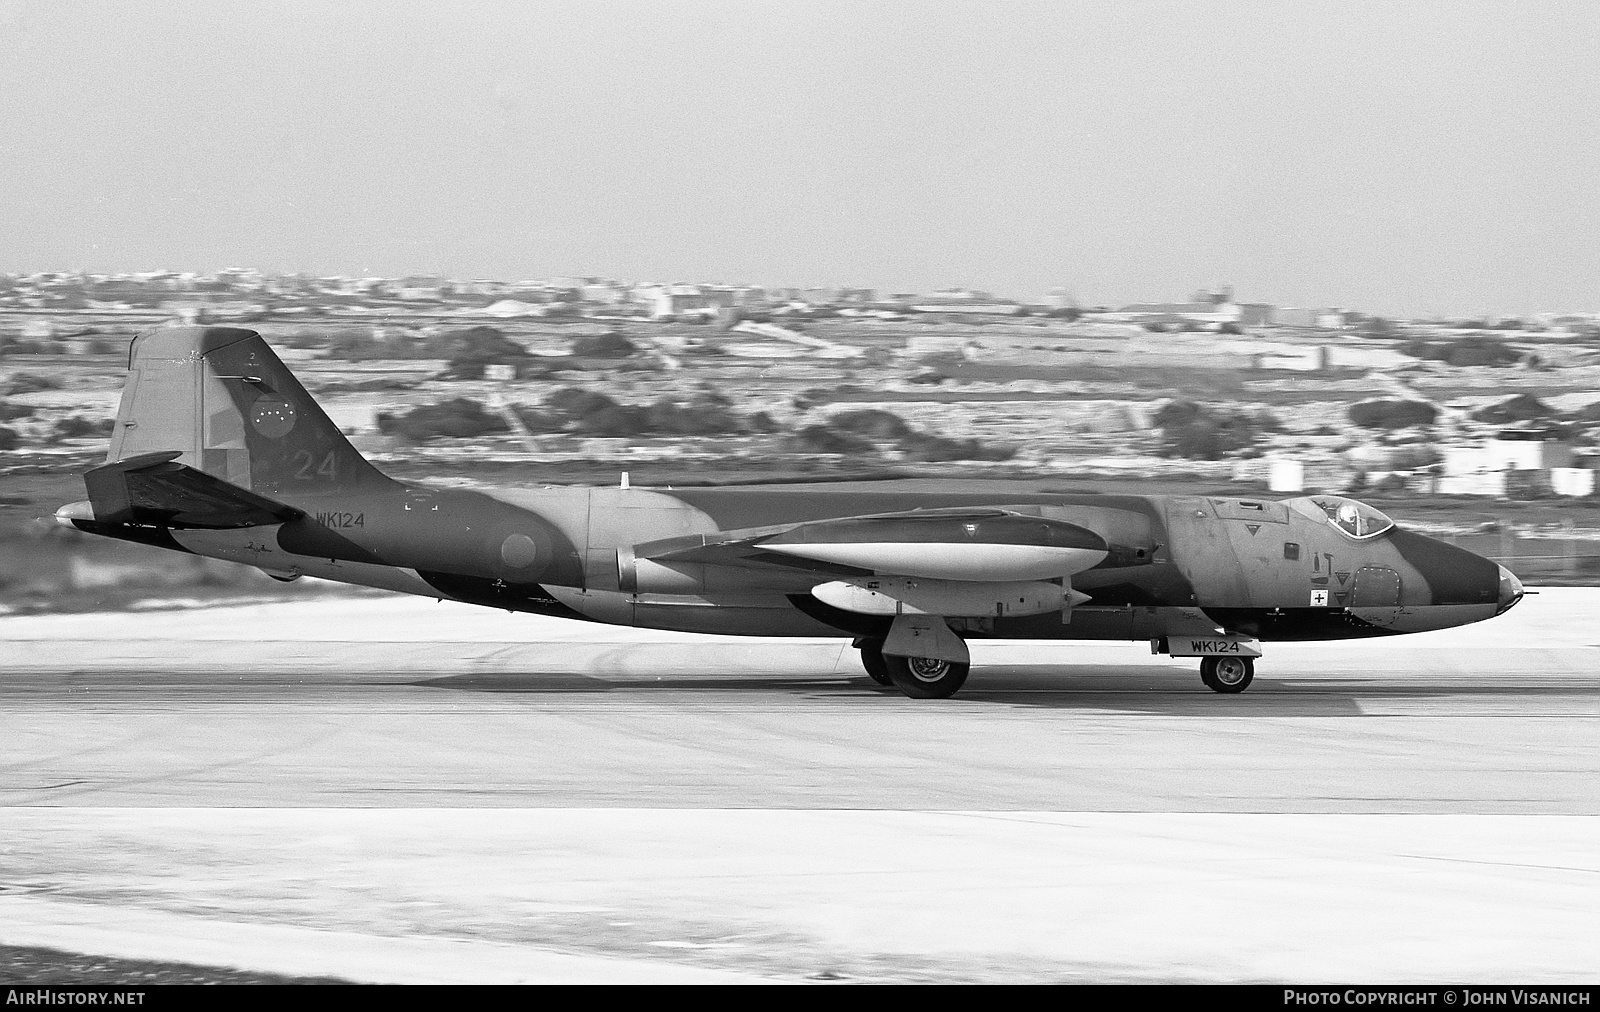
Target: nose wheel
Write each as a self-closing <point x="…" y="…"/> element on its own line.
<point x="1227" y="674"/>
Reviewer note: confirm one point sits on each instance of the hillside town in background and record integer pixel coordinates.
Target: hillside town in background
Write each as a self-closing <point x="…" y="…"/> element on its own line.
<point x="1484" y="431"/>
<point x="1293" y="398"/>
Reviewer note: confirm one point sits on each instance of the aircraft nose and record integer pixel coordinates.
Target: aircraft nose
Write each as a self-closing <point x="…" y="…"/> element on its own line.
<point x="1510" y="591"/>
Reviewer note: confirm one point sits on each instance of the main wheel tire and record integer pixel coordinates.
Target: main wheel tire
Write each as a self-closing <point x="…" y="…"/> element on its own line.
<point x="926" y="677"/>
<point x="873" y="660"/>
<point x="1208" y="673"/>
<point x="1230" y="674"/>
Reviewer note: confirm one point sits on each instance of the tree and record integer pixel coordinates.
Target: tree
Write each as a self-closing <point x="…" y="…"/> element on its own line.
<point x="461" y="418"/>
<point x="1198" y="432"/>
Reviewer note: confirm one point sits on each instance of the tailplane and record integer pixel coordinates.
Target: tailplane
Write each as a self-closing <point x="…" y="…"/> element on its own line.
<point x="227" y="405"/>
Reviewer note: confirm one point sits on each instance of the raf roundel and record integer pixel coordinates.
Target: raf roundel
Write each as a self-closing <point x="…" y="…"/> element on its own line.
<point x="272" y="417"/>
<point x="519" y="551"/>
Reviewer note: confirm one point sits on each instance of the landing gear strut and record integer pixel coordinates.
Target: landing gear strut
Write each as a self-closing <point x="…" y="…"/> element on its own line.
<point x="1227" y="674"/>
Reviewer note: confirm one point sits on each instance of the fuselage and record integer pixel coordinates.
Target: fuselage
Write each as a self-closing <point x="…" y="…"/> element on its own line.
<point x="218" y="450"/>
<point x="1173" y="565"/>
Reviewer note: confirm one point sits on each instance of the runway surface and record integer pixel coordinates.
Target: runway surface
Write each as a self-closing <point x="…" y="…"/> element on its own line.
<point x="532" y="791"/>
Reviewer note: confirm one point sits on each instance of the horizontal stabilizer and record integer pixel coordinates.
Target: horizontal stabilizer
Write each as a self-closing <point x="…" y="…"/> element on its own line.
<point x="154" y="490"/>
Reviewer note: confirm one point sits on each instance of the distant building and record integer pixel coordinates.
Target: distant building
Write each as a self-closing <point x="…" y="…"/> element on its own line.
<point x="1320" y="319"/>
<point x="1256" y="314"/>
<point x="420" y="289"/>
<point x="604" y="293"/>
<point x="1169" y="309"/>
<point x="1215" y="296"/>
<point x="1060" y="298"/>
<point x="971" y="308"/>
<point x="478" y="288"/>
<point x="672" y="300"/>
<point x="956" y="296"/>
<point x="1205" y="314"/>
<point x="1526" y="450"/>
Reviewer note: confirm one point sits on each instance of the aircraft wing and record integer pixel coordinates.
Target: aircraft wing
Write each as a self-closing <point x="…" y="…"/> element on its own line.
<point x="154" y="489"/>
<point x="976" y="544"/>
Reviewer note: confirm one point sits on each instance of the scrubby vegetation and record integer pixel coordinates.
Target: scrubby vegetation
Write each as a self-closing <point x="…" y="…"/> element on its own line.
<point x="608" y="345"/>
<point x="471" y="351"/>
<point x="1470" y="350"/>
<point x="821" y="439"/>
<point x="462" y="418"/>
<point x="1199" y="432"/>
<point x="873" y="427"/>
<point x="581" y="412"/>
<point x="27" y="383"/>
<point x="1520" y="408"/>
<point x="77" y="426"/>
<point x="1392" y="414"/>
<point x="586" y="412"/>
<point x="380" y="384"/>
<point x="1375" y="328"/>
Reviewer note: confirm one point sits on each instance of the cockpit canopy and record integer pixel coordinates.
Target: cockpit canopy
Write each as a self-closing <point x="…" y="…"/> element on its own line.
<point x="1352" y="518"/>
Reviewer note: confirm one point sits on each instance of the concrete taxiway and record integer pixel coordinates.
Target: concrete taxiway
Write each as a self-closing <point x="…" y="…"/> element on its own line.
<point x="303" y="784"/>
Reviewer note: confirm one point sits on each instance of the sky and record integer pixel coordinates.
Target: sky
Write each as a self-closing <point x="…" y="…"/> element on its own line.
<point x="1408" y="159"/>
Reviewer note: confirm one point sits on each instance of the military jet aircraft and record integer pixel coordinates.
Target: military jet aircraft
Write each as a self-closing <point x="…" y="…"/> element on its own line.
<point x="218" y="450"/>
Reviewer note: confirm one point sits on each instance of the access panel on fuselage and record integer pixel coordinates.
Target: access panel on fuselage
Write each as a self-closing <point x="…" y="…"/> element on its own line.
<point x="624" y="517"/>
<point x="1257" y="531"/>
<point x="1202" y="549"/>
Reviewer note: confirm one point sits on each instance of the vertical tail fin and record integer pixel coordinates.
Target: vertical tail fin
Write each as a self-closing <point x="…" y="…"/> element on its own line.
<point x="220" y="397"/>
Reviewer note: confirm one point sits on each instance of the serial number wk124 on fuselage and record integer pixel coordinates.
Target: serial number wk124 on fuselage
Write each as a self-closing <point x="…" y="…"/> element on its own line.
<point x="341" y="519"/>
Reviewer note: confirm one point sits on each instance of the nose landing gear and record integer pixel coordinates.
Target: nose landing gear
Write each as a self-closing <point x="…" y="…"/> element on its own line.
<point x="1227" y="674"/>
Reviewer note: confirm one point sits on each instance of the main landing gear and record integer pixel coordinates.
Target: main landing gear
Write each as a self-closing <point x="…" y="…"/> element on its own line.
<point x="940" y="678"/>
<point x="917" y="677"/>
<point x="1227" y="674"/>
<point x="873" y="660"/>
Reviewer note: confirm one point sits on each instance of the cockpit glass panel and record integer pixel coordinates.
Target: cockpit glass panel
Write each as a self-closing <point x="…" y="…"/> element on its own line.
<point x="1354" y="518"/>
